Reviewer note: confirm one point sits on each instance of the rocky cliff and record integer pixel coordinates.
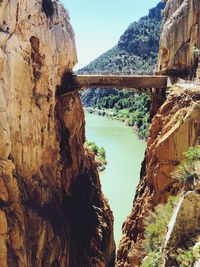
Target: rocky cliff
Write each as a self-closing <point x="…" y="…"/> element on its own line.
<point x="52" y="210"/>
<point x="180" y="34"/>
<point x="183" y="231"/>
<point x="174" y="129"/>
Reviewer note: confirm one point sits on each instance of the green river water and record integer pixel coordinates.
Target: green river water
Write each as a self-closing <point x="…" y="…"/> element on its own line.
<point x="124" y="154"/>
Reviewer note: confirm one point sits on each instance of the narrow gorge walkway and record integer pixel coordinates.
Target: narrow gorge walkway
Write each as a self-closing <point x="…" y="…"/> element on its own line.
<point x="149" y="84"/>
<point x="153" y="85"/>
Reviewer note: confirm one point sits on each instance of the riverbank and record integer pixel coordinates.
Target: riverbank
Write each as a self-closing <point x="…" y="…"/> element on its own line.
<point x="122" y="116"/>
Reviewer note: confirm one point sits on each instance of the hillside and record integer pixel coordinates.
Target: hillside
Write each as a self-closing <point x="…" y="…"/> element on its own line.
<point x="137" y="49"/>
<point x="136" y="52"/>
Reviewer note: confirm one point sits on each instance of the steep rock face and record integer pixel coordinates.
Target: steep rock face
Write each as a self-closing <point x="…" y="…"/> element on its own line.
<point x="183" y="227"/>
<point x="52" y="211"/>
<point x="174" y="129"/>
<point x="180" y="33"/>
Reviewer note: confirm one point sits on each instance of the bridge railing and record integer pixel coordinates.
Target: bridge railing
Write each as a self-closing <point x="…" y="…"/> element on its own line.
<point x="98" y="73"/>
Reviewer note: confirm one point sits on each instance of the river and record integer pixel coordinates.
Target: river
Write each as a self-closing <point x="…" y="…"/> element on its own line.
<point x="124" y="154"/>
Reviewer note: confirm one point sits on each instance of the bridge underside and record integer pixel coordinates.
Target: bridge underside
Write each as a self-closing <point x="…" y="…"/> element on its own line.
<point x="142" y="83"/>
<point x="152" y="85"/>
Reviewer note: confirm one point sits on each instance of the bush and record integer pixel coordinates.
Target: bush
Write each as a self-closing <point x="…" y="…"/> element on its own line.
<point x="152" y="260"/>
<point x="186" y="172"/>
<point x="100" y="154"/>
<point x="187" y="257"/>
<point x="155" y="231"/>
<point x="193" y="153"/>
<point x="92" y="147"/>
<point x="196" y="51"/>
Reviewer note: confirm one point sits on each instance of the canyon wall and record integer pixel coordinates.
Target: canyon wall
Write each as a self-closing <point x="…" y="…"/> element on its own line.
<point x="180" y="34"/>
<point x="184" y="227"/>
<point x="174" y="129"/>
<point x="52" y="210"/>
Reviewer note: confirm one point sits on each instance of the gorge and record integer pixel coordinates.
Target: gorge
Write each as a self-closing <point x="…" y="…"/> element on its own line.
<point x="53" y="212"/>
<point x="120" y="178"/>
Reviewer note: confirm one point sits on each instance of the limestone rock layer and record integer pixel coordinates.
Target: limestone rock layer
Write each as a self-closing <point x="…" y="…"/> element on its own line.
<point x="180" y="33"/>
<point x="52" y="210"/>
<point x="174" y="129"/>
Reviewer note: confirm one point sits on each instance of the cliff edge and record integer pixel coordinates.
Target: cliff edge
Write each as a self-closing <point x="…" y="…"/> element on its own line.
<point x="52" y="210"/>
<point x="180" y="33"/>
<point x="174" y="129"/>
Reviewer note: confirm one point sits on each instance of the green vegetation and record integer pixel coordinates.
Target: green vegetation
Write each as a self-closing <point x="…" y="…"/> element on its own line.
<point x="187" y="256"/>
<point x="135" y="53"/>
<point x="153" y="259"/>
<point x="156" y="225"/>
<point x="196" y="52"/>
<point x="193" y="154"/>
<point x="126" y="106"/>
<point x="137" y="49"/>
<point x="186" y="172"/>
<point x="100" y="154"/>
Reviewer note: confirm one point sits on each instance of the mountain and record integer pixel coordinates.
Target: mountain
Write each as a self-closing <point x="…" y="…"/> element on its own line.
<point x="136" y="50"/>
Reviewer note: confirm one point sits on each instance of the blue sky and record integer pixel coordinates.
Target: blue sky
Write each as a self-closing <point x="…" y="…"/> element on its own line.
<point x="98" y="24"/>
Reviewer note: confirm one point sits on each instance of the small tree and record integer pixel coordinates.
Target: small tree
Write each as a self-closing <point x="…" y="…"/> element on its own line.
<point x="196" y="52"/>
<point x="102" y="153"/>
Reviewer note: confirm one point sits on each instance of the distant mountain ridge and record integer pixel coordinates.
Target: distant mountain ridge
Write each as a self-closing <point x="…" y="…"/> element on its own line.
<point x="137" y="49"/>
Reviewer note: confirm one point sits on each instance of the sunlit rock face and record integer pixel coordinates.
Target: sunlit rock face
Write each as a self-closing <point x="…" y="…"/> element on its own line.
<point x="179" y="35"/>
<point x="184" y="226"/>
<point x="52" y="211"/>
<point x="174" y="129"/>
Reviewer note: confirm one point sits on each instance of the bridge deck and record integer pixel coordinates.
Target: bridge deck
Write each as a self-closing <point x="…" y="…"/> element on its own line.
<point x="148" y="83"/>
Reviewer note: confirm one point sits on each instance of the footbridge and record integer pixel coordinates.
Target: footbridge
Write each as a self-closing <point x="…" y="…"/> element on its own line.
<point x="149" y="84"/>
<point x="153" y="85"/>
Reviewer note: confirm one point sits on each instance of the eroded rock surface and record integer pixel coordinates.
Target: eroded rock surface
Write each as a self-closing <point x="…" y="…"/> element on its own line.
<point x="183" y="227"/>
<point x="52" y="211"/>
<point x="180" y="33"/>
<point x="174" y="129"/>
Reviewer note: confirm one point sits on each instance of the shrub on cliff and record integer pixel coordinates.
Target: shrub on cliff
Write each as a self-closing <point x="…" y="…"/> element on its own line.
<point x="155" y="231"/>
<point x="186" y="171"/>
<point x="93" y="147"/>
<point x="100" y="154"/>
<point x="187" y="256"/>
<point x="153" y="259"/>
<point x="193" y="153"/>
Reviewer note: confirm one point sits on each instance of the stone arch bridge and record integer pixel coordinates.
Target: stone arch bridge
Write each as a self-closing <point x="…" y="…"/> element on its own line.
<point x="153" y="85"/>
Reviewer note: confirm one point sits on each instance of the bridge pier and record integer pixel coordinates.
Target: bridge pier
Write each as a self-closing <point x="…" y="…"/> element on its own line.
<point x="156" y="102"/>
